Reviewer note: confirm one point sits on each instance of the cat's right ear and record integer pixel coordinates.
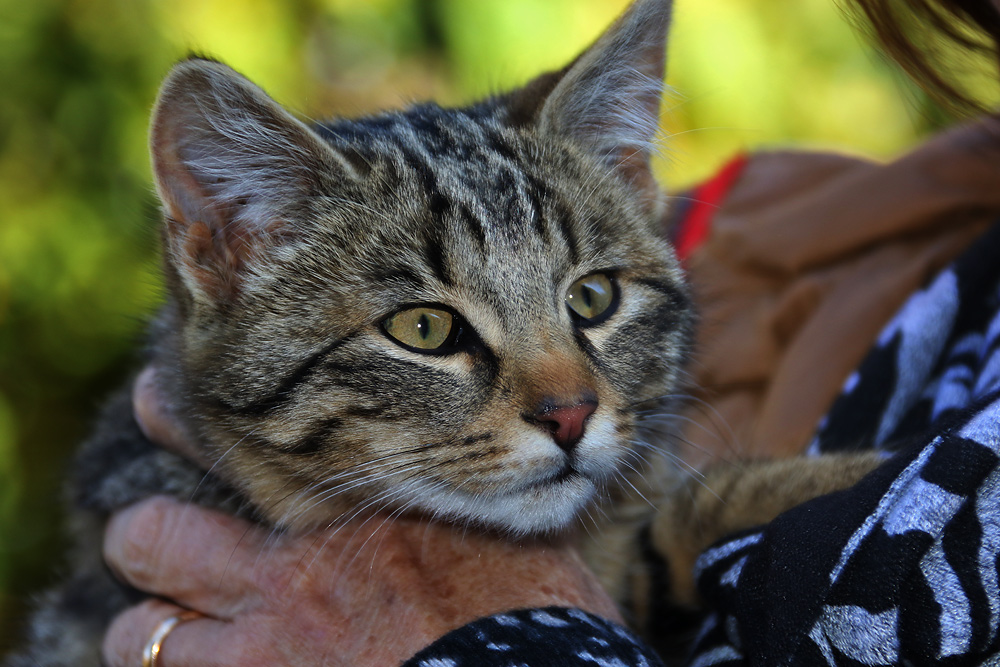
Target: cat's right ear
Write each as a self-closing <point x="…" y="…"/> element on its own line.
<point x="608" y="99"/>
<point x="234" y="171"/>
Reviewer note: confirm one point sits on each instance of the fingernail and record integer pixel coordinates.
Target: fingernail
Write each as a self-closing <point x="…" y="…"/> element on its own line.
<point x="114" y="539"/>
<point x="145" y="402"/>
<point x="133" y="533"/>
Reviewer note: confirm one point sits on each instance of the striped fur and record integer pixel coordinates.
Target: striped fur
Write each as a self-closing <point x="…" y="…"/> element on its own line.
<point x="286" y="247"/>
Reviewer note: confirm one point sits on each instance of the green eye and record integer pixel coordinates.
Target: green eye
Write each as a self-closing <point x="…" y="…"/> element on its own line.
<point x="420" y="328"/>
<point x="592" y="299"/>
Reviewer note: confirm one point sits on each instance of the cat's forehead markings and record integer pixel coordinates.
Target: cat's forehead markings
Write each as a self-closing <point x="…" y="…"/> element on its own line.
<point x="469" y="176"/>
<point x="478" y="178"/>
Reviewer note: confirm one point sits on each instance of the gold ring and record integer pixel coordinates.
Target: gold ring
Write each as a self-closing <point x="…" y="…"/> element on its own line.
<point x="152" y="651"/>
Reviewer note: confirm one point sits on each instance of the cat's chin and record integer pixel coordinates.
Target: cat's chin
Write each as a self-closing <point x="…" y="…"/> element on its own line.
<point x="541" y="508"/>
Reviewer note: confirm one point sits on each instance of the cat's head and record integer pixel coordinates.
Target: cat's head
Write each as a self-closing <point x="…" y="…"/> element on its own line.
<point x="460" y="311"/>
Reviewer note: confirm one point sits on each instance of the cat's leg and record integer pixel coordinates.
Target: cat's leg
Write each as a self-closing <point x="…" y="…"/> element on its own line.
<point x="643" y="543"/>
<point x="645" y="557"/>
<point x="735" y="497"/>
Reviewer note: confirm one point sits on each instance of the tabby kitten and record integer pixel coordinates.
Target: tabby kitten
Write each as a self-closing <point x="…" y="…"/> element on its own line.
<point x="467" y="313"/>
<point x="459" y="312"/>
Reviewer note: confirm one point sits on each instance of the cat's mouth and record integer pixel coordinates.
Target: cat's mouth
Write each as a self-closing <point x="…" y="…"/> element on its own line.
<point x="565" y="474"/>
<point x="590" y="466"/>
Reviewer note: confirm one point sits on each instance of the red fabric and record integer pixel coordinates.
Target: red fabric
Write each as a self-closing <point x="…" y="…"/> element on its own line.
<point x="707" y="198"/>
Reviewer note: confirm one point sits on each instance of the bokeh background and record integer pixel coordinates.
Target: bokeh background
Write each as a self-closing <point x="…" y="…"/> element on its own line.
<point x="78" y="256"/>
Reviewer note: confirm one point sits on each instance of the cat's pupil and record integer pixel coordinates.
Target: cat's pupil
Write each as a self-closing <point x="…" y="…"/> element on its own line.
<point x="424" y="327"/>
<point x="588" y="296"/>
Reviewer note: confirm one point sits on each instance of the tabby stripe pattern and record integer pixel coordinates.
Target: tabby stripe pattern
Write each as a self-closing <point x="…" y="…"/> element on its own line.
<point x="287" y="385"/>
<point x="424" y="142"/>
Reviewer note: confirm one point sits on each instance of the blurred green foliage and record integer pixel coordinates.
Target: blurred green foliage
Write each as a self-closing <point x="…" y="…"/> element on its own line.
<point x="78" y="258"/>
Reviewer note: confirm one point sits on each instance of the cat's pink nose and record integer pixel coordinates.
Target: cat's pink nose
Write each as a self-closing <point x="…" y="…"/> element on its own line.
<point x="565" y="423"/>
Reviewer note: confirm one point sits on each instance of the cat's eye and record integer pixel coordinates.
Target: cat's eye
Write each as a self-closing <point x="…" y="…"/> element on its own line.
<point x="592" y="299"/>
<point x="422" y="328"/>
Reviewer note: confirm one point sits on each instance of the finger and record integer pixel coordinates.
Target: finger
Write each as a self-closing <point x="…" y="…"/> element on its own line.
<point x="198" y="641"/>
<point x="157" y="421"/>
<point x="203" y="559"/>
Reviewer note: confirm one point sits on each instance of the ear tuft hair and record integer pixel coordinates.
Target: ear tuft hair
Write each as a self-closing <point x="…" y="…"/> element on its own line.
<point x="232" y="169"/>
<point x="609" y="98"/>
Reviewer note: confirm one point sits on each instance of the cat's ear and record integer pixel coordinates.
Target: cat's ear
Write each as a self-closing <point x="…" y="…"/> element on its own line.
<point x="609" y="97"/>
<point x="233" y="170"/>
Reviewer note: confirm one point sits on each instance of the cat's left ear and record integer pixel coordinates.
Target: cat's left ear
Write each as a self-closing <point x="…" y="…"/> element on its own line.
<point x="609" y="97"/>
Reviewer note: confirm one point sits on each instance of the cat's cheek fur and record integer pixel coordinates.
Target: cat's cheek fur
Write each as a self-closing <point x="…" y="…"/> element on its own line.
<point x="517" y="481"/>
<point x="599" y="454"/>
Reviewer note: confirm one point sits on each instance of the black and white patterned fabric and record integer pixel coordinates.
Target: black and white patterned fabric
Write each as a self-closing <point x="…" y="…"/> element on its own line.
<point x="903" y="568"/>
<point x="550" y="637"/>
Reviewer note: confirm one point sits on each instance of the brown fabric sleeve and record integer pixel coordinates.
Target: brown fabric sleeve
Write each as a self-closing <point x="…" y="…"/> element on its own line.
<point x="808" y="258"/>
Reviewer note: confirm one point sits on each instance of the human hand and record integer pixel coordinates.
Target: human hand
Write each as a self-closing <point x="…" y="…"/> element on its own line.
<point x="368" y="594"/>
<point x="364" y="593"/>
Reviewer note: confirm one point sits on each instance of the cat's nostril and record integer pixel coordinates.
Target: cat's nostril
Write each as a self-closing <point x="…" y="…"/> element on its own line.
<point x="565" y="423"/>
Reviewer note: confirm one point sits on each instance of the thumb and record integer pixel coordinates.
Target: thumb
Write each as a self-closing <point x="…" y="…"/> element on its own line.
<point x="156" y="419"/>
